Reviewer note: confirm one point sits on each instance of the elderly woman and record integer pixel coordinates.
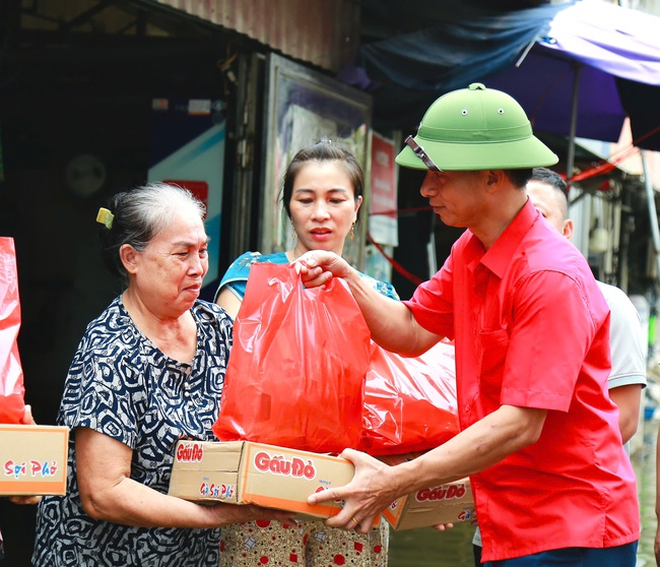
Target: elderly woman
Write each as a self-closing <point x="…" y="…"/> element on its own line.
<point x="148" y="371"/>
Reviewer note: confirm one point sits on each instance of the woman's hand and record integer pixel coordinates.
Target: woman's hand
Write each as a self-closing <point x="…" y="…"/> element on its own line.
<point x="27" y="418"/>
<point x="26" y="500"/>
<point x="226" y="514"/>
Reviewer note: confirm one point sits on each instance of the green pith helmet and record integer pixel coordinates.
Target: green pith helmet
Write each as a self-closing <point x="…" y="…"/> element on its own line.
<point x="475" y="129"/>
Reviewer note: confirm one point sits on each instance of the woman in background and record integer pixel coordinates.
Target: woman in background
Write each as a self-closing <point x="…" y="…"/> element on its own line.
<point x="322" y="194"/>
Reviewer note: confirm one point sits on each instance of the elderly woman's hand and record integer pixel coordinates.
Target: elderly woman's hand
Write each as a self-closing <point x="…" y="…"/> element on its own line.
<point x="226" y="514"/>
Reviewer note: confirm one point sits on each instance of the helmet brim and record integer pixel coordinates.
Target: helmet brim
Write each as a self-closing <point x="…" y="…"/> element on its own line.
<point x="474" y="156"/>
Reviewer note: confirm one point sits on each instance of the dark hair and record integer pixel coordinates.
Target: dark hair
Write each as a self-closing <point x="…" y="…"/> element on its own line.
<point x="519" y="177"/>
<point x="139" y="215"/>
<point x="550" y="177"/>
<point x="323" y="150"/>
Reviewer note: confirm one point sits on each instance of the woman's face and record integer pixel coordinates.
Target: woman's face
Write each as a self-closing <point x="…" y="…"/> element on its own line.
<point x="323" y="207"/>
<point x="168" y="273"/>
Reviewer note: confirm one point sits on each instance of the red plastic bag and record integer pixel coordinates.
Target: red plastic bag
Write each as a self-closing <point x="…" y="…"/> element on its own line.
<point x="295" y="376"/>
<point x="410" y="403"/>
<point x="12" y="391"/>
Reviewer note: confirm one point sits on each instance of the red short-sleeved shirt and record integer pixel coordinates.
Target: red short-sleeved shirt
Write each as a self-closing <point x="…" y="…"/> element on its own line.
<point x="532" y="330"/>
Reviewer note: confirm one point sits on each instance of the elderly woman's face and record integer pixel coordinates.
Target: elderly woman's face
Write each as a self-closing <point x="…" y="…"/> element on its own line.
<point x="172" y="266"/>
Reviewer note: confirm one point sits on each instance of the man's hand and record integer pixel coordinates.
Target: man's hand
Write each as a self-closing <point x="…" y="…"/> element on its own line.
<point x="317" y="267"/>
<point x="365" y="497"/>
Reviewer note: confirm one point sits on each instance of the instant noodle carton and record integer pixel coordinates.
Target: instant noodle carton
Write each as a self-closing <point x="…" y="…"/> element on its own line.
<point x="243" y="472"/>
<point x="448" y="503"/>
<point x="33" y="459"/>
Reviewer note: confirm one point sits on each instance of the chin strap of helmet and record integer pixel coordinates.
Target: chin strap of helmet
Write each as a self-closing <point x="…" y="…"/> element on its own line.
<point x="421" y="154"/>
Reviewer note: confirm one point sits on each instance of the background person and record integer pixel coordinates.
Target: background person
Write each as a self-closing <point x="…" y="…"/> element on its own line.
<point x="539" y="435"/>
<point x="148" y="371"/>
<point x="549" y="194"/>
<point x="321" y="193"/>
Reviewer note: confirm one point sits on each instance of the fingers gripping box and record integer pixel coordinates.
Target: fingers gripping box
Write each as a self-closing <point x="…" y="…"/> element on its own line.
<point x="34" y="459"/>
<point x="242" y="472"/>
<point x="448" y="503"/>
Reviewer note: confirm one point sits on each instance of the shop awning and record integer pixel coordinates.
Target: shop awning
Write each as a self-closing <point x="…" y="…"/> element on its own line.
<point x="610" y="49"/>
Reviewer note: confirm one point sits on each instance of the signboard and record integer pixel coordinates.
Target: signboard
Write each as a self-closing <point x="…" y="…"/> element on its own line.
<point x="188" y="149"/>
<point x="383" y="225"/>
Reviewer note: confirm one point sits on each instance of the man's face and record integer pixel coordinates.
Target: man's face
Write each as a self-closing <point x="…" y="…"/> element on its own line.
<point x="456" y="196"/>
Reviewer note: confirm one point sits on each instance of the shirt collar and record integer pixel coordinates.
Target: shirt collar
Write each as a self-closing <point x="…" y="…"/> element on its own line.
<point x="498" y="257"/>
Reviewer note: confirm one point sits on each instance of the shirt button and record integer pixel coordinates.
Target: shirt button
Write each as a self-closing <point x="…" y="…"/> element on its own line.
<point x="186" y="394"/>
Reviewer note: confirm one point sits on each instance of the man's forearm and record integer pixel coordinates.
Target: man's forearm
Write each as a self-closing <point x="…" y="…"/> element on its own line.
<point x="476" y="448"/>
<point x="391" y="323"/>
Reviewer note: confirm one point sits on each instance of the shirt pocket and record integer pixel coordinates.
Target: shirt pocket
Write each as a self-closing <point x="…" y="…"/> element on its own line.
<point x="492" y="349"/>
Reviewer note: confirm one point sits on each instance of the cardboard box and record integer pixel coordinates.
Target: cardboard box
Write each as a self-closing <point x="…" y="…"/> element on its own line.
<point x="242" y="472"/>
<point x="34" y="459"/>
<point x="448" y="503"/>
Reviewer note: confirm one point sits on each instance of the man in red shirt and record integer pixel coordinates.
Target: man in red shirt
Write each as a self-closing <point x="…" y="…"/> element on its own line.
<point x="539" y="435"/>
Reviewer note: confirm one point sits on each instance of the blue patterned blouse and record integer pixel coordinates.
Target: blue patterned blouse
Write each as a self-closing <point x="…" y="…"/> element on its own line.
<point x="236" y="276"/>
<point x="120" y="384"/>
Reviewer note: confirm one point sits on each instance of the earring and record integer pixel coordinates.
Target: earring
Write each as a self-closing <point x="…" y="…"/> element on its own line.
<point x="351" y="234"/>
